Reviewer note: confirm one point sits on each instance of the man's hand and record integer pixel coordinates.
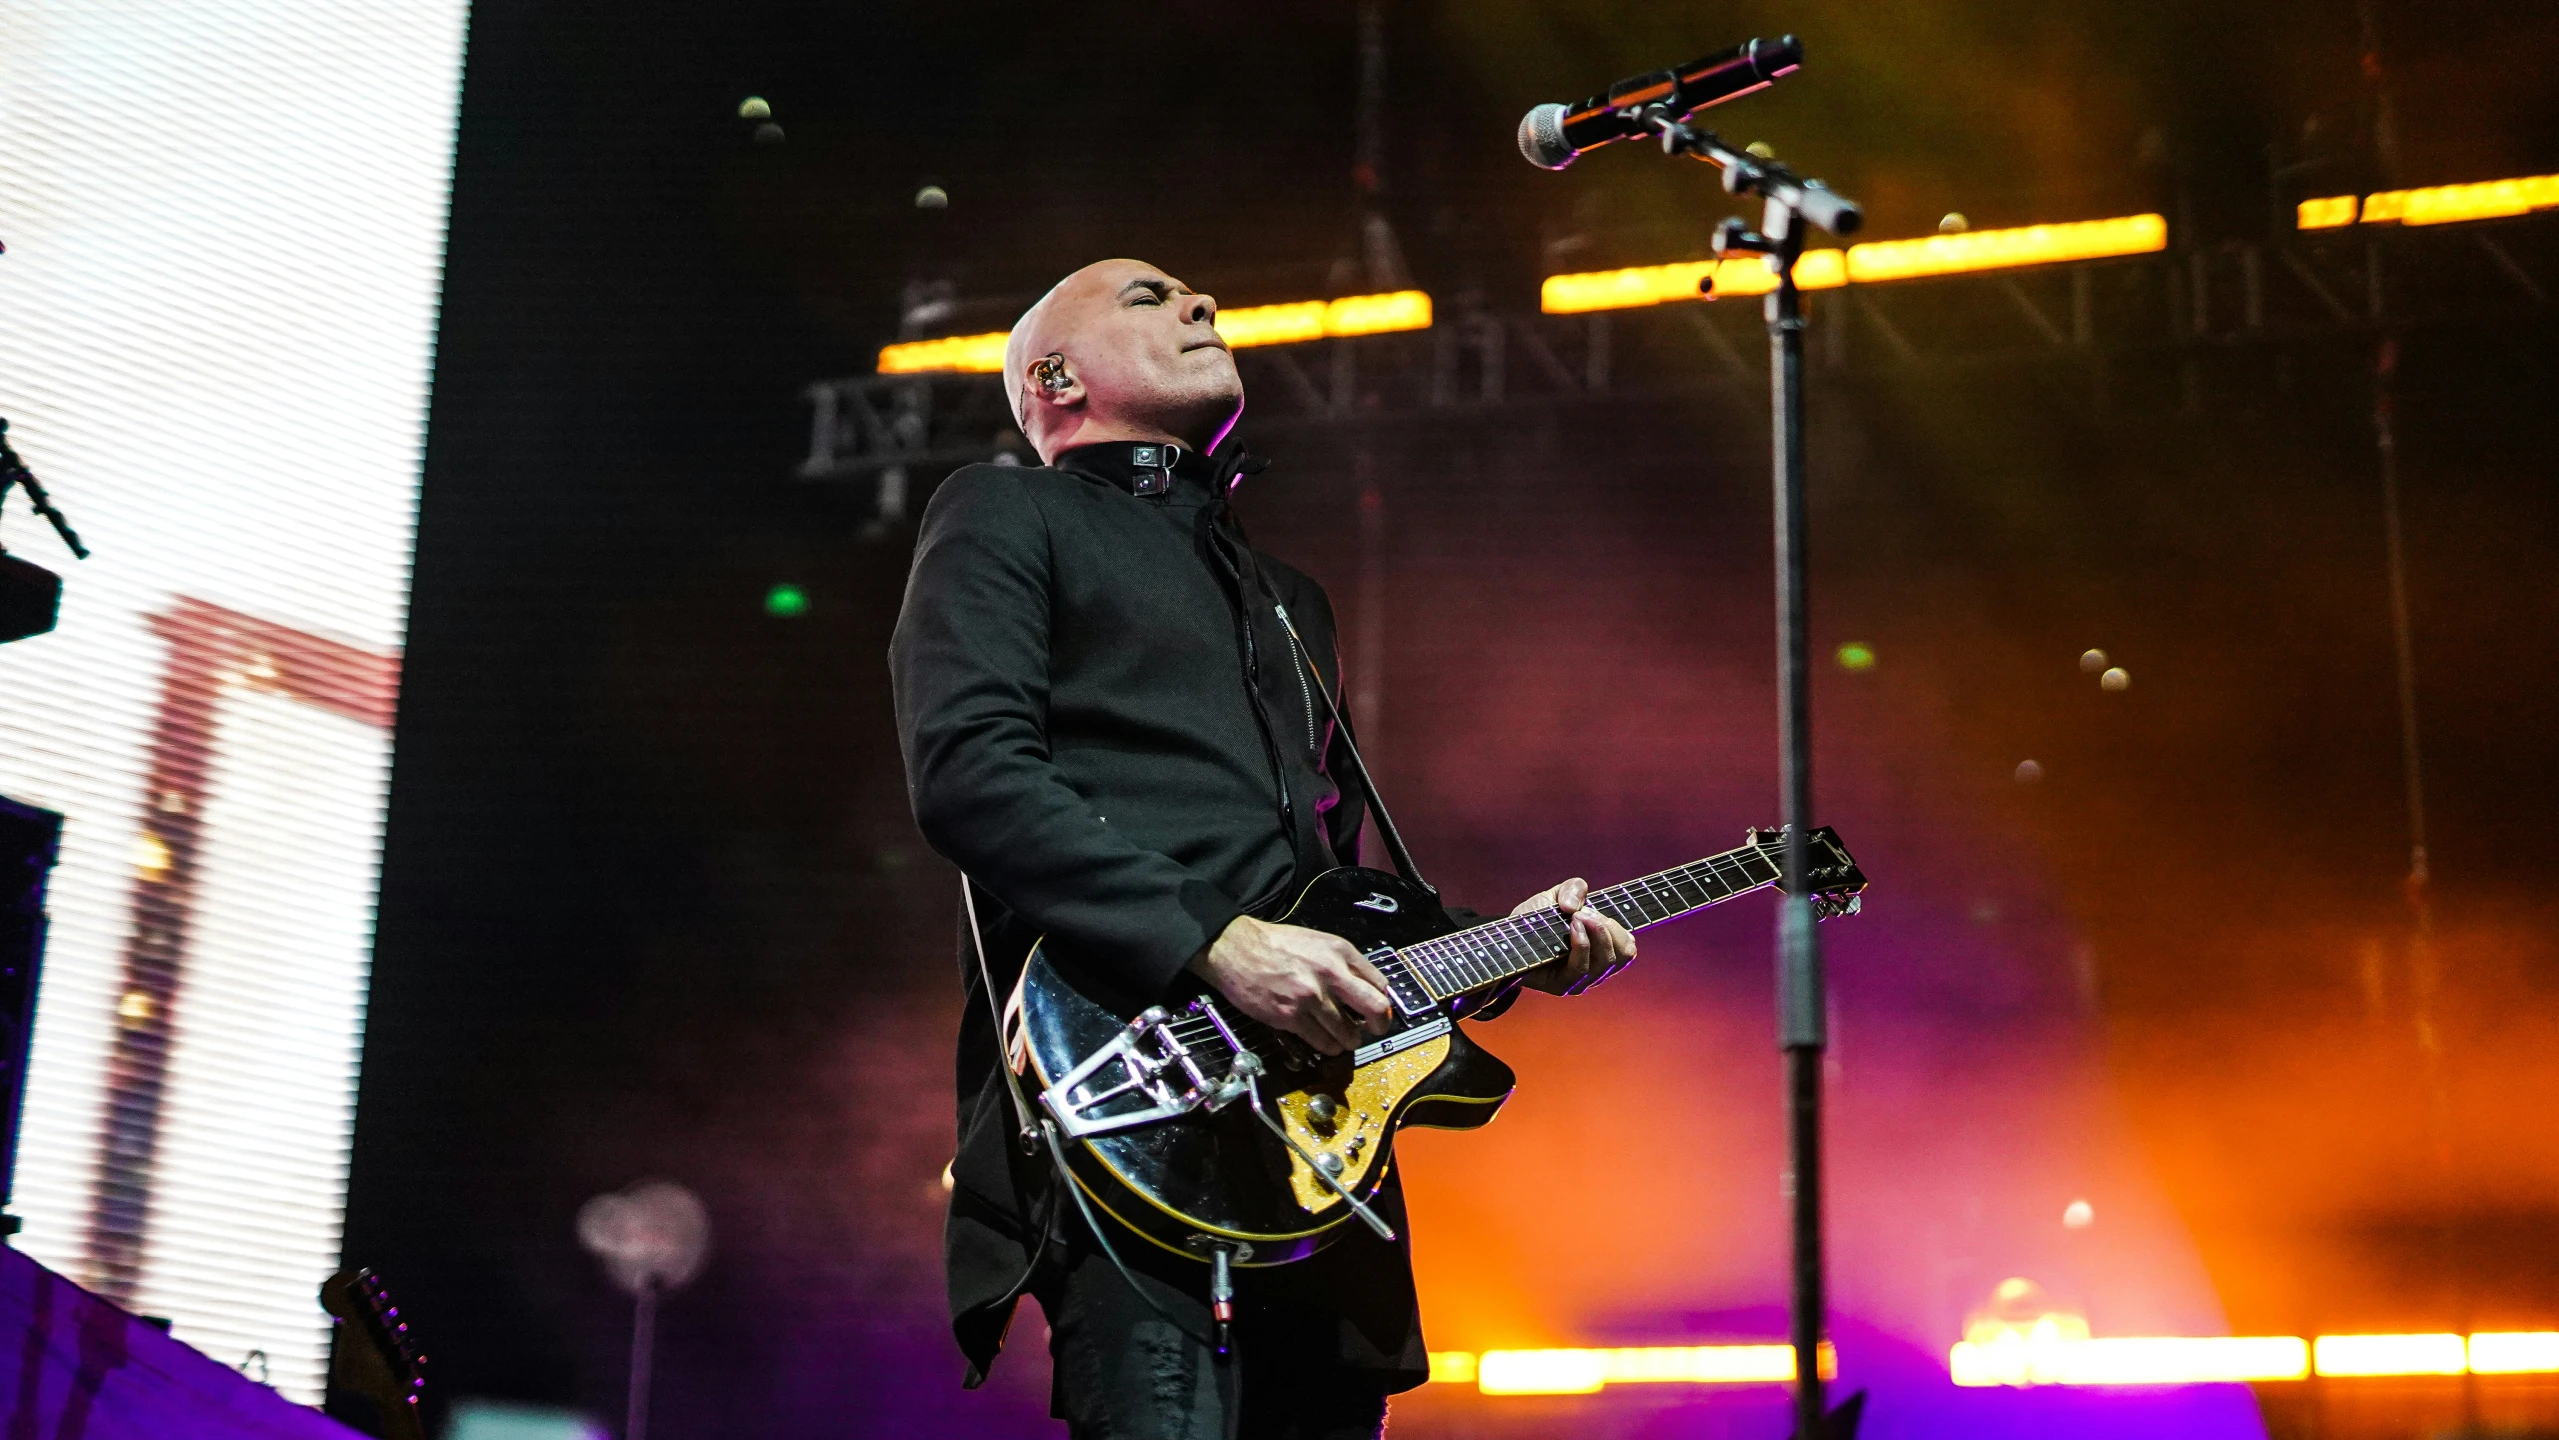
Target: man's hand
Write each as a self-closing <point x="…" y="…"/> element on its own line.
<point x="1601" y="946"/>
<point x="1315" y="986"/>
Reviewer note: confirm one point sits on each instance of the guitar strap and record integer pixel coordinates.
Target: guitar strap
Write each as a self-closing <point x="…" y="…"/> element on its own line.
<point x="1006" y="1015"/>
<point x="1395" y="850"/>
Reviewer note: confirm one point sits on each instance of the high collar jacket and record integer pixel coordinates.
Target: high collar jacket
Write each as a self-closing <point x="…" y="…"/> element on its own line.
<point x="1110" y="730"/>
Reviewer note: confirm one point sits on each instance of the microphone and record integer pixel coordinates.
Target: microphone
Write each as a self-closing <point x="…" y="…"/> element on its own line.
<point x="1551" y="135"/>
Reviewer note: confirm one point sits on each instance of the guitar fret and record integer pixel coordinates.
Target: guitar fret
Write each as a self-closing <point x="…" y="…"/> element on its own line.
<point x="1679" y="878"/>
<point x="1496" y="950"/>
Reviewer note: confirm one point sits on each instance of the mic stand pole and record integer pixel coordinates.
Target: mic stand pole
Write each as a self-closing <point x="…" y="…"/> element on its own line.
<point x="1790" y="204"/>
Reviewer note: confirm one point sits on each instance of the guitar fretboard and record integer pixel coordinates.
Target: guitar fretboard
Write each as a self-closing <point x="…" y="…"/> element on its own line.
<point x="1486" y="954"/>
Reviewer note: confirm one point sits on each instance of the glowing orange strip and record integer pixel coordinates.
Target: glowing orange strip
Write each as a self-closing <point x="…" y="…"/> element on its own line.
<point x="1586" y="1372"/>
<point x="965" y="354"/>
<point x="2445" y="204"/>
<point x="2006" y="249"/>
<point x="1251" y="325"/>
<point x="2390" y="1355"/>
<point x="1863" y="264"/>
<point x="2434" y="204"/>
<point x="2021" y="1359"/>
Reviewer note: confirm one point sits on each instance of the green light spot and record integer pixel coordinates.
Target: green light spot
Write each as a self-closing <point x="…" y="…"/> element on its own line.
<point x="1856" y="656"/>
<point x="786" y="602"/>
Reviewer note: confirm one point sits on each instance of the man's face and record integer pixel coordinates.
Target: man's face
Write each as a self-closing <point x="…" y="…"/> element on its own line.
<point x="1142" y="345"/>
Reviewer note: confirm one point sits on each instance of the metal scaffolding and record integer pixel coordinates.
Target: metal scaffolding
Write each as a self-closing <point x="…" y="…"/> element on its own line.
<point x="2185" y="323"/>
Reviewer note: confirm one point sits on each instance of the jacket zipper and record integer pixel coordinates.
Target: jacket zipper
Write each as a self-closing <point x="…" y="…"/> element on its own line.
<point x="1305" y="696"/>
<point x="1252" y="690"/>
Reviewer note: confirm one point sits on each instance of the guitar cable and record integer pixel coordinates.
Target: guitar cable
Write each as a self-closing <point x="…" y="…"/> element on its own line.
<point x="1065" y="1177"/>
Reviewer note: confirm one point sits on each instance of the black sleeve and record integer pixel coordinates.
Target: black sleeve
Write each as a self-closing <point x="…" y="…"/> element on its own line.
<point x="969" y="666"/>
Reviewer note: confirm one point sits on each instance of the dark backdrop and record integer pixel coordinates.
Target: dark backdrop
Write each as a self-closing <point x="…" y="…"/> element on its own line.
<point x="652" y="904"/>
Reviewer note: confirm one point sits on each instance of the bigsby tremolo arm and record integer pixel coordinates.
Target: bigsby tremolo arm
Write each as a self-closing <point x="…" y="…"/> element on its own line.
<point x="1150" y="1065"/>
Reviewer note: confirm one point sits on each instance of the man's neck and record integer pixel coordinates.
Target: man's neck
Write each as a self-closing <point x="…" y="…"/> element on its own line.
<point x="1105" y="433"/>
<point x="1104" y="430"/>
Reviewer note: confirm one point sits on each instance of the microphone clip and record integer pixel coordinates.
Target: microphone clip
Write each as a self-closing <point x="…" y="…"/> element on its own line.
<point x="1789" y="196"/>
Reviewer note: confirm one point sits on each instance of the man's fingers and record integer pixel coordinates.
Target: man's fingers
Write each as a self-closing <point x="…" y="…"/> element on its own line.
<point x="1570" y="895"/>
<point x="1366" y="992"/>
<point x="1621" y="952"/>
<point x="1320" y="1025"/>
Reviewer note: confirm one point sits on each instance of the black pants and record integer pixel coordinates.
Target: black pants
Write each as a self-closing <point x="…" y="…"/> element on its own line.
<point x="1125" y="1372"/>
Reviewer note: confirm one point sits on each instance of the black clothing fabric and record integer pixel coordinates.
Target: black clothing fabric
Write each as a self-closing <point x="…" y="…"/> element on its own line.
<point x="1124" y="1371"/>
<point x="1109" y="729"/>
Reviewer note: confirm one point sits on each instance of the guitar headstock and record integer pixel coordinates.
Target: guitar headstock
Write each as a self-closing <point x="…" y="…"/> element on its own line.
<point x="378" y="1356"/>
<point x="1830" y="872"/>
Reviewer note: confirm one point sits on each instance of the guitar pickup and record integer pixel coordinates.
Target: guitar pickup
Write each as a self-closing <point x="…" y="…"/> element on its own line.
<point x="1402" y="1040"/>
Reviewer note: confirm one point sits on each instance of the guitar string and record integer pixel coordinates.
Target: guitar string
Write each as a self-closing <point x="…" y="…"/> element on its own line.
<point x="1634" y="896"/>
<point x="1197" y="1031"/>
<point x="1511" y="931"/>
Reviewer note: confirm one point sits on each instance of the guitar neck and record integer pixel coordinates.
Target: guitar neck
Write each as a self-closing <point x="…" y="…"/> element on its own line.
<point x="1488" y="954"/>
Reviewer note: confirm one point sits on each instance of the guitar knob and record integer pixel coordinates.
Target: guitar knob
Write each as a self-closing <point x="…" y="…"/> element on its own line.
<point x="1330" y="1164"/>
<point x="1323" y="1112"/>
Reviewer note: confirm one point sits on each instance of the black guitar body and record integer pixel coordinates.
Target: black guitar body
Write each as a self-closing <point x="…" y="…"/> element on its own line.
<point x="1222" y="1177"/>
<point x="1153" y="1101"/>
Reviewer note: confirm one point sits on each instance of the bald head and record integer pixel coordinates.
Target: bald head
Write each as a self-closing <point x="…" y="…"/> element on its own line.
<point x="1140" y="360"/>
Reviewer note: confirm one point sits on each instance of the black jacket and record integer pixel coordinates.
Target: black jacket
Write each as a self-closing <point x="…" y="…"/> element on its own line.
<point x="1107" y="727"/>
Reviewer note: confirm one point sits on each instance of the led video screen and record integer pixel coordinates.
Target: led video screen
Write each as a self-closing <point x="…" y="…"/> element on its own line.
<point x="224" y="223"/>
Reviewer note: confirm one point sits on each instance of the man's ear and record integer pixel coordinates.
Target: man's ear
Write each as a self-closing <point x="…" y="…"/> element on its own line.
<point x="1049" y="385"/>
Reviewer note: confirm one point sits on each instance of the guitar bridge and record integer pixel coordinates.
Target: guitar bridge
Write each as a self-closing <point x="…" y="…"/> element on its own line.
<point x="1148" y="1072"/>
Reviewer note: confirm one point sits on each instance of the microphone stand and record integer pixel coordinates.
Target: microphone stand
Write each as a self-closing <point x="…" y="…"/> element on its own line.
<point x="14" y="471"/>
<point x="1790" y="205"/>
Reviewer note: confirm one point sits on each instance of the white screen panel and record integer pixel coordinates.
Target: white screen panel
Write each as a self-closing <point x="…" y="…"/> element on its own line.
<point x="224" y="222"/>
<point x="260" y="1083"/>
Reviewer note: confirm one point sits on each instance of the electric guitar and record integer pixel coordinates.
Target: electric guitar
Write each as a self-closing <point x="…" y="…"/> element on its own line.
<point x="1218" y="1138"/>
<point x="376" y="1355"/>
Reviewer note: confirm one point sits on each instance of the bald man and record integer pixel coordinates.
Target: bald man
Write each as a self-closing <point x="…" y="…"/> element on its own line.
<point x="1107" y="728"/>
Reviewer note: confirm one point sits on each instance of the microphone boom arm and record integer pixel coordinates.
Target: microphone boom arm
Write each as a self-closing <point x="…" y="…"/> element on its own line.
<point x="14" y="471"/>
<point x="1788" y="194"/>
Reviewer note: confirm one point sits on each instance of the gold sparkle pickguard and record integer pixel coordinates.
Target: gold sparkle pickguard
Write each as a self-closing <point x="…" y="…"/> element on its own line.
<point x="1367" y="1105"/>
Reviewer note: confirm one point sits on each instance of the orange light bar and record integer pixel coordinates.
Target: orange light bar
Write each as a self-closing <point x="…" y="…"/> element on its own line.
<point x="1452" y="1367"/>
<point x="2445" y="204"/>
<point x="1586" y="1372"/>
<point x="2017" y="1358"/>
<point x="1663" y="284"/>
<point x="2043" y="1355"/>
<point x="1367" y="314"/>
<point x="1251" y="325"/>
<point x="966" y="354"/>
<point x="2023" y="1358"/>
<point x="2525" y="1352"/>
<point x="2006" y="249"/>
<point x="2390" y="1355"/>
<point x="1325" y="319"/>
<point x="1864" y="264"/>
<point x="2434" y="204"/>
